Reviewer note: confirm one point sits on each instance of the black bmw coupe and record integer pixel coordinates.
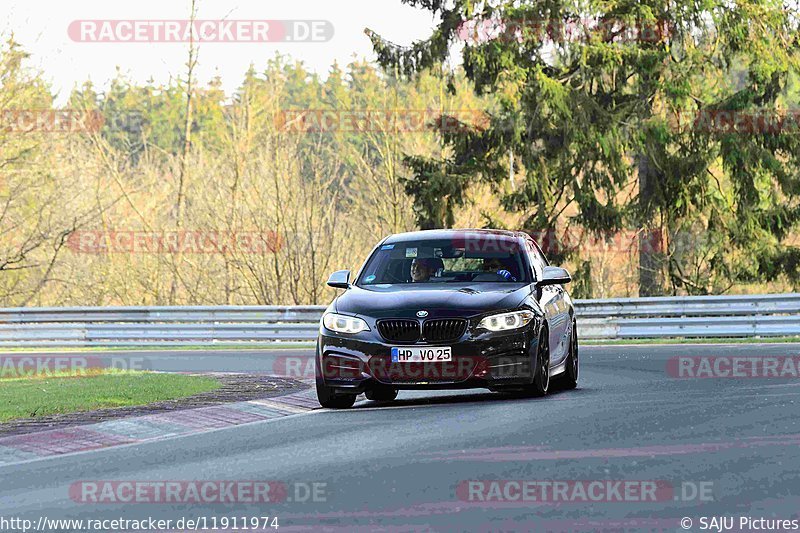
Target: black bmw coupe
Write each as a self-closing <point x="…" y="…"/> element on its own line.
<point x="448" y="309"/>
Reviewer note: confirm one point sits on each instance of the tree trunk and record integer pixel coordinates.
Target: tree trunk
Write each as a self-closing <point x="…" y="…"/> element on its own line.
<point x="651" y="256"/>
<point x="183" y="168"/>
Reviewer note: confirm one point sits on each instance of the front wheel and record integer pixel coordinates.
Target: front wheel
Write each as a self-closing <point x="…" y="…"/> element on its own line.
<point x="331" y="400"/>
<point x="570" y="379"/>
<point x="541" y="378"/>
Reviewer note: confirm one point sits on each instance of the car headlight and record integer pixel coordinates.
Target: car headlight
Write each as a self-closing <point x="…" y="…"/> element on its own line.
<point x="344" y="323"/>
<point x="506" y="321"/>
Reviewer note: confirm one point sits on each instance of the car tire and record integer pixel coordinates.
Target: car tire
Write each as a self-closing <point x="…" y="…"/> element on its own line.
<point x="330" y="399"/>
<point x="569" y="378"/>
<point x="381" y="394"/>
<point x="541" y="377"/>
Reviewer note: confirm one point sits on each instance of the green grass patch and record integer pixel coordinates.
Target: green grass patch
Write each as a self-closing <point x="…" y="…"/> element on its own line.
<point x="32" y="397"/>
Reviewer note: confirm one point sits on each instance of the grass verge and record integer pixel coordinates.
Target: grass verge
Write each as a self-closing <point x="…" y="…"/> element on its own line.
<point x="32" y="397"/>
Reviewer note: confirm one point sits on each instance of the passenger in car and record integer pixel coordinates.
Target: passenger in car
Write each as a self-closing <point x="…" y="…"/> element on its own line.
<point x="493" y="264"/>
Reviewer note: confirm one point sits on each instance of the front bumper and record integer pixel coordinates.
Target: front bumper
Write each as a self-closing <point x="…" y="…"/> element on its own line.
<point x="362" y="362"/>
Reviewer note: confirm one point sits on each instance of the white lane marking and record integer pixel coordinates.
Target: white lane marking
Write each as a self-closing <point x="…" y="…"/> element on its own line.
<point x="279" y="406"/>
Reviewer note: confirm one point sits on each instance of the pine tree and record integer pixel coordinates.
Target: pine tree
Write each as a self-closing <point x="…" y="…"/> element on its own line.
<point x="604" y="108"/>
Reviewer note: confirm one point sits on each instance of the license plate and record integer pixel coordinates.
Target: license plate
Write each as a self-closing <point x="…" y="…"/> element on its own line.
<point x="433" y="354"/>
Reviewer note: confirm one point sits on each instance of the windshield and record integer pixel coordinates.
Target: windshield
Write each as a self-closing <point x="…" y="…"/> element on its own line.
<point x="446" y="261"/>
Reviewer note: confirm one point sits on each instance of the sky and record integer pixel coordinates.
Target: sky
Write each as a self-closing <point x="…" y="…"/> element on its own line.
<point x="41" y="27"/>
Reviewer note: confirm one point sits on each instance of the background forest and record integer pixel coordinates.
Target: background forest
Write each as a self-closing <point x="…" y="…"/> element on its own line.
<point x="181" y="194"/>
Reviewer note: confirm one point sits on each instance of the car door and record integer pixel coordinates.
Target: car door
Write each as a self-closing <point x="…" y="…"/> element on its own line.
<point x="554" y="301"/>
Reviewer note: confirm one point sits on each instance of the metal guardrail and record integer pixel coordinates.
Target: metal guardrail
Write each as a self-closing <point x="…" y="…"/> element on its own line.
<point x="627" y="318"/>
<point x="762" y="315"/>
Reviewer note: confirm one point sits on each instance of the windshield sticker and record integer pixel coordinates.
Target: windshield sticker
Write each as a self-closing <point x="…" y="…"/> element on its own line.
<point x="387" y="247"/>
<point x="370" y="278"/>
<point x="411" y="252"/>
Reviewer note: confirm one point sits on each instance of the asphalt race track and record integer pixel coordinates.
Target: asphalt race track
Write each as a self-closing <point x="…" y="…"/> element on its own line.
<point x="713" y="447"/>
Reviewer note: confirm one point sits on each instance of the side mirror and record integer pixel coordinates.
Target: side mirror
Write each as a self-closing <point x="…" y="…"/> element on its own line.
<point x="340" y="279"/>
<point x="554" y="276"/>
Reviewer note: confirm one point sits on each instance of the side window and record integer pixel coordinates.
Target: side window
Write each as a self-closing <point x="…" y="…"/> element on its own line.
<point x="536" y="258"/>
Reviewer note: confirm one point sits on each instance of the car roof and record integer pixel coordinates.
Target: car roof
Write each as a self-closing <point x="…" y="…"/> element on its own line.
<point x="450" y="233"/>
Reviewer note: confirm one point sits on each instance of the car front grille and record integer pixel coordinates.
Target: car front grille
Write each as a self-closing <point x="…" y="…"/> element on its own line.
<point x="399" y="330"/>
<point x="434" y="330"/>
<point x="445" y="329"/>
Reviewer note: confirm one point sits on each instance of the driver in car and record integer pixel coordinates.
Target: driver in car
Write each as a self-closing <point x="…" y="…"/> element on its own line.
<point x="423" y="268"/>
<point x="493" y="264"/>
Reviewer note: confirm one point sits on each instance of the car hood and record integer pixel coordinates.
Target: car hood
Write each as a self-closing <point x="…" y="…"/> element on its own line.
<point x="439" y="300"/>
